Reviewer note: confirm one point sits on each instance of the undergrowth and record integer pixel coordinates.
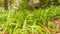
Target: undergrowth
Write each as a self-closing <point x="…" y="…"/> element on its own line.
<point x="26" y="22"/>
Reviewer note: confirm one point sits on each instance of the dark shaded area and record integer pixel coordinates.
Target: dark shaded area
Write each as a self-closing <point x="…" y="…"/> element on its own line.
<point x="6" y="4"/>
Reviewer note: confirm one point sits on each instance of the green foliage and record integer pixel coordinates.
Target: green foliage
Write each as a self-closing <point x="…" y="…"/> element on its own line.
<point x="1" y="3"/>
<point x="22" y="6"/>
<point x="25" y="22"/>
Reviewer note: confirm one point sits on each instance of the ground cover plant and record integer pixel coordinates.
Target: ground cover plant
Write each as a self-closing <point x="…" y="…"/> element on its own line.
<point x="42" y="21"/>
